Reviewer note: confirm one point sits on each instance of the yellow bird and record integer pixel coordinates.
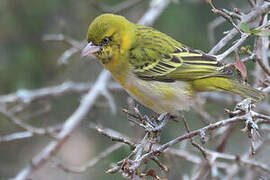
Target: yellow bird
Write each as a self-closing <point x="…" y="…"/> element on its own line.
<point x="155" y="69"/>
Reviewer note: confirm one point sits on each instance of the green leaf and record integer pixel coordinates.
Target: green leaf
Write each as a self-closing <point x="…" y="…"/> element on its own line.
<point x="265" y="32"/>
<point x="255" y="31"/>
<point x="244" y="28"/>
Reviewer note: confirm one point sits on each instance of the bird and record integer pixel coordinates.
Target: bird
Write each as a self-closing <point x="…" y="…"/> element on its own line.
<point x="156" y="70"/>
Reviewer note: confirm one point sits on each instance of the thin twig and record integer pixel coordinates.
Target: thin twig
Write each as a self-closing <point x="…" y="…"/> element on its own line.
<point x="232" y="48"/>
<point x="28" y="134"/>
<point x="113" y="135"/>
<point x="247" y="18"/>
<point x="27" y="127"/>
<point x="228" y="18"/>
<point x="92" y="162"/>
<point x="68" y="87"/>
<point x="116" y="8"/>
<point x="201" y="149"/>
<point x="187" y="136"/>
<point x="71" y="123"/>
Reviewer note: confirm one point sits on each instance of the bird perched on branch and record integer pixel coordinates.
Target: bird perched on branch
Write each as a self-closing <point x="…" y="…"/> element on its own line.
<point x="155" y="69"/>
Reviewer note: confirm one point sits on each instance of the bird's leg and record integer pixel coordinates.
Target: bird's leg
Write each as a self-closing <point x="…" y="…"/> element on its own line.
<point x="161" y="121"/>
<point x="175" y="117"/>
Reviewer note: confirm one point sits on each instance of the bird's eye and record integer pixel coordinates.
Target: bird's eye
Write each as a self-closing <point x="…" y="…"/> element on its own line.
<point x="106" y="40"/>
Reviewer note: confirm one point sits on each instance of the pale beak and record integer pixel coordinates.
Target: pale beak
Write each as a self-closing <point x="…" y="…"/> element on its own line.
<point x="90" y="49"/>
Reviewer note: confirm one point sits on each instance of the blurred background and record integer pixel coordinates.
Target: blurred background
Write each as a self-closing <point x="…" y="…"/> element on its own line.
<point x="28" y="62"/>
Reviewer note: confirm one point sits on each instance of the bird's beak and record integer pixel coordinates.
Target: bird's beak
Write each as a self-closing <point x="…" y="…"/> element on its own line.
<point x="90" y="49"/>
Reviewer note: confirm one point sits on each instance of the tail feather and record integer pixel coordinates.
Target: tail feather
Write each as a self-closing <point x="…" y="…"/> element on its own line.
<point x="226" y="84"/>
<point x="247" y="92"/>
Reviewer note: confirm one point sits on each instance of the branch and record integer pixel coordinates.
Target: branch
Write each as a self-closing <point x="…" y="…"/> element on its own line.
<point x="27" y="134"/>
<point x="247" y="19"/>
<point x="243" y="160"/>
<point x="29" y="96"/>
<point x="76" y="46"/>
<point x="154" y="11"/>
<point x="92" y="162"/>
<point x="186" y="136"/>
<point x="116" y="8"/>
<point x="113" y="135"/>
<point x="27" y="127"/>
<point x="212" y="156"/>
<point x="71" y="123"/>
<point x="232" y="48"/>
<point x="211" y="28"/>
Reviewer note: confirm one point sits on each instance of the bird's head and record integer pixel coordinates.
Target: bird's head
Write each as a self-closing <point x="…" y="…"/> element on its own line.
<point x="108" y="36"/>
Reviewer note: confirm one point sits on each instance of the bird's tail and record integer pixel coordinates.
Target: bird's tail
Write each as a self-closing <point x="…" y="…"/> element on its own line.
<point x="247" y="92"/>
<point x="226" y="84"/>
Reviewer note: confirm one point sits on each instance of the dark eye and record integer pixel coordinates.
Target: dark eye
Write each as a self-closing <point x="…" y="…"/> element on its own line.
<point x="106" y="40"/>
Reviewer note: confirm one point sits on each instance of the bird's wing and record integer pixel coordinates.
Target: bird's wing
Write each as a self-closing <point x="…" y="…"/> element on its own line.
<point x="183" y="64"/>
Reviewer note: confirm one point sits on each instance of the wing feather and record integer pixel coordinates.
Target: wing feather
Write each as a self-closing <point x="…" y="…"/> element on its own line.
<point x="160" y="58"/>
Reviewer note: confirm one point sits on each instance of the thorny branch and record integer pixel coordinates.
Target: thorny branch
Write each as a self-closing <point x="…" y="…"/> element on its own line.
<point x="132" y="166"/>
<point x="149" y="147"/>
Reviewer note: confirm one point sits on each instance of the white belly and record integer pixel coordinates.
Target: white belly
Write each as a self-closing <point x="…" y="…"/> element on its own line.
<point x="161" y="96"/>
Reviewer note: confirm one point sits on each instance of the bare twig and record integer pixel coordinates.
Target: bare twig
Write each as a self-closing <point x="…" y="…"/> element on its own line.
<point x="211" y="28"/>
<point x="28" y="134"/>
<point x="224" y="138"/>
<point x="76" y="46"/>
<point x="68" y="127"/>
<point x="68" y="87"/>
<point x="165" y="146"/>
<point x="228" y="18"/>
<point x="116" y="8"/>
<point x="92" y="162"/>
<point x="263" y="66"/>
<point x="201" y="149"/>
<point x="247" y="18"/>
<point x="232" y="48"/>
<point x="253" y="163"/>
<point x="113" y="135"/>
<point x="251" y="2"/>
<point x="123" y="6"/>
<point x="27" y="127"/>
<point x="154" y="11"/>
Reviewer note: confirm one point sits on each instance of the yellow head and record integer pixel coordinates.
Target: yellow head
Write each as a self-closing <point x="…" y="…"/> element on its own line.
<point x="108" y="37"/>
